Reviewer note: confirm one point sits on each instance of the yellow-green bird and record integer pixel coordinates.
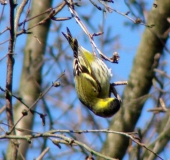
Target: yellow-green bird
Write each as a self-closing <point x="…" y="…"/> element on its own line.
<point x="92" y="80"/>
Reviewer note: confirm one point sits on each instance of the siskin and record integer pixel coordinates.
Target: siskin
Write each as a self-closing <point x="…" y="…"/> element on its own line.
<point x="92" y="80"/>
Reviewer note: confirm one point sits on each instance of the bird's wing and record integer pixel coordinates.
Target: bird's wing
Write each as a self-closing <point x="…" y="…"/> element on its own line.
<point x="87" y="89"/>
<point x="82" y="66"/>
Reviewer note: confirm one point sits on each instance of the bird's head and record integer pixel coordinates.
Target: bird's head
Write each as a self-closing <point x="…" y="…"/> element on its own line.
<point x="106" y="107"/>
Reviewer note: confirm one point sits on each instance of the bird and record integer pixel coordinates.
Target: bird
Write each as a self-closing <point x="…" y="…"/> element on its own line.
<point x="92" y="80"/>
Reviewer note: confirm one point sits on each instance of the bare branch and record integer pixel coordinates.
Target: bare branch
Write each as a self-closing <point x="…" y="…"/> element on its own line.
<point x="43" y="153"/>
<point x="70" y="141"/>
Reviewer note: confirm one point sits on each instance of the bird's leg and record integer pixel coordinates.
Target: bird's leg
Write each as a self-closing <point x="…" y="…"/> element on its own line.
<point x="113" y="90"/>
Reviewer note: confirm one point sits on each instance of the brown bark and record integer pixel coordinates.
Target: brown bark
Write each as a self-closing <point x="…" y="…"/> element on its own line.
<point x="9" y="83"/>
<point x="30" y="83"/>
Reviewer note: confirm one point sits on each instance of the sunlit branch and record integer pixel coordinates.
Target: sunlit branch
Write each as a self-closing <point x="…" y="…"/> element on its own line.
<point x="71" y="141"/>
<point x="41" y="156"/>
<point x="113" y="59"/>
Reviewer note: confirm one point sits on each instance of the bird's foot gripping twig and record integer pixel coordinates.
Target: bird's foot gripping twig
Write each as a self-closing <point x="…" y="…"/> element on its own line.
<point x="113" y="90"/>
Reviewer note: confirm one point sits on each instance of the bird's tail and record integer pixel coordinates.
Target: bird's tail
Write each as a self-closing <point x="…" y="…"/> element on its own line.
<point x="72" y="41"/>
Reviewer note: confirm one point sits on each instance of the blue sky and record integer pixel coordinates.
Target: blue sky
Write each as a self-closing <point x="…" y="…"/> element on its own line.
<point x="128" y="39"/>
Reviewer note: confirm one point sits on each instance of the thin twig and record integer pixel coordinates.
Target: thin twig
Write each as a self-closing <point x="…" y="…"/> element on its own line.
<point x="47" y="11"/>
<point x="60" y="7"/>
<point x="2" y="3"/>
<point x="162" y="73"/>
<point x="4" y="41"/>
<point x="43" y="153"/>
<point x="163" y="107"/>
<point x="120" y="83"/>
<point x="21" y="129"/>
<point x="2" y="109"/>
<point x="42" y="116"/>
<point x="18" y="13"/>
<point x="6" y="29"/>
<point x="70" y="141"/>
<point x="91" y="131"/>
<point x="114" y="58"/>
<point x="20" y="100"/>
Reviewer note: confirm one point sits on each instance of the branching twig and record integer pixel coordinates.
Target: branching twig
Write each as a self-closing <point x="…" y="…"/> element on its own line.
<point x="10" y="63"/>
<point x="162" y="73"/>
<point x="47" y="11"/>
<point x="20" y="100"/>
<point x="21" y="129"/>
<point x="70" y="141"/>
<point x="131" y="135"/>
<point x="109" y="9"/>
<point x="25" y="112"/>
<point x="51" y="15"/>
<point x="164" y="133"/>
<point x="163" y="107"/>
<point x="9" y="79"/>
<point x="18" y="14"/>
<point x="113" y="59"/>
